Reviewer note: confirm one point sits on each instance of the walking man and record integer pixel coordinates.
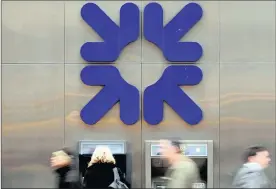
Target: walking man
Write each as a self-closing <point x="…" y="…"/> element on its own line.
<point x="183" y="171"/>
<point x="251" y="174"/>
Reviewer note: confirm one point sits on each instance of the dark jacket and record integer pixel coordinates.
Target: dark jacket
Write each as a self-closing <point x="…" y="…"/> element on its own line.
<point x="100" y="175"/>
<point x="67" y="177"/>
<point x="62" y="174"/>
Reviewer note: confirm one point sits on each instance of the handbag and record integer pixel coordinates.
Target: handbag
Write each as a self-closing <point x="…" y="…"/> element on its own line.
<point x="117" y="183"/>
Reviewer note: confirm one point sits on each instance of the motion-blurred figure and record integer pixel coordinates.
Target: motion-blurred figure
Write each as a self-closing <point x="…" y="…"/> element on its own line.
<point x="102" y="171"/>
<point x="63" y="163"/>
<point x="183" y="172"/>
<point x="251" y="174"/>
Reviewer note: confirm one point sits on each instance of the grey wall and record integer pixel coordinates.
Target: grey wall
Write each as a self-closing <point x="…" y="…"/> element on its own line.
<point x="43" y="94"/>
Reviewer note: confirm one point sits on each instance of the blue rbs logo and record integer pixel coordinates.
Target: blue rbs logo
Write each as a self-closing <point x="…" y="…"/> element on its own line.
<point x="166" y="89"/>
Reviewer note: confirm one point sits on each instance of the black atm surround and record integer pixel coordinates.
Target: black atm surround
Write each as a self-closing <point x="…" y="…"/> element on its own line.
<point x="117" y="147"/>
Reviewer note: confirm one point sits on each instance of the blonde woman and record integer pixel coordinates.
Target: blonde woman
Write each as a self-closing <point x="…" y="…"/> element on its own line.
<point x="100" y="173"/>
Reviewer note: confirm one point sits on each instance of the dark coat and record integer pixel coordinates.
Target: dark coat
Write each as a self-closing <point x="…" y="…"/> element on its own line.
<point x="62" y="180"/>
<point x="100" y="175"/>
<point x="67" y="176"/>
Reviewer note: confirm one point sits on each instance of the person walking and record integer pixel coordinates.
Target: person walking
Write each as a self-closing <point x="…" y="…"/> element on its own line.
<point x="183" y="171"/>
<point x="63" y="163"/>
<point x="251" y="174"/>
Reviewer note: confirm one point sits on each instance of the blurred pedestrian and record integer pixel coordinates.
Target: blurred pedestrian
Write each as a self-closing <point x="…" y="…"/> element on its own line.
<point x="64" y="164"/>
<point x="183" y="171"/>
<point x="251" y="174"/>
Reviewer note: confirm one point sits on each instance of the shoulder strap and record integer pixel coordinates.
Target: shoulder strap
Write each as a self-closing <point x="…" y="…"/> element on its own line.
<point x="116" y="178"/>
<point x="116" y="174"/>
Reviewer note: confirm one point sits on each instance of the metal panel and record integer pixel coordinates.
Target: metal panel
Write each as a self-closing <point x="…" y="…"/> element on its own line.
<point x="247" y="31"/>
<point x="77" y="32"/>
<point x="32" y="32"/>
<point x="32" y="123"/>
<point x="205" y="94"/>
<point x="110" y="127"/>
<point x="149" y="143"/>
<point x="206" y="32"/>
<point x="147" y="164"/>
<point x="247" y="109"/>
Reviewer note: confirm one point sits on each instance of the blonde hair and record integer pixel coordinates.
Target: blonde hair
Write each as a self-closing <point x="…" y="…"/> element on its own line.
<point x="102" y="154"/>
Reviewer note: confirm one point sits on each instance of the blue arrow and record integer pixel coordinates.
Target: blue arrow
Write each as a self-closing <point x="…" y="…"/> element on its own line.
<point x="115" y="89"/>
<point x="167" y="38"/>
<point x="115" y="38"/>
<point x="167" y="89"/>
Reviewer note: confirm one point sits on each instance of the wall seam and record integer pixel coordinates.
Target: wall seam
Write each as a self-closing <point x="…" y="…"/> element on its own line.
<point x="274" y="179"/>
<point x="1" y="96"/>
<point x="64" y="100"/>
<point x="141" y="96"/>
<point x="219" y="38"/>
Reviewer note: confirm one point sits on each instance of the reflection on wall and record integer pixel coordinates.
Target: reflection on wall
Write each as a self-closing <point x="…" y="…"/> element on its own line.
<point x="42" y="94"/>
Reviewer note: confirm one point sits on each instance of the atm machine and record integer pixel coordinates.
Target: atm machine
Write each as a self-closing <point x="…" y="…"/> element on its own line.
<point x="201" y="151"/>
<point x="86" y="148"/>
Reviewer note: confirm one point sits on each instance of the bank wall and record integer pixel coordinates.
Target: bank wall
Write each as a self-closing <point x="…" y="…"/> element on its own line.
<point x="42" y="93"/>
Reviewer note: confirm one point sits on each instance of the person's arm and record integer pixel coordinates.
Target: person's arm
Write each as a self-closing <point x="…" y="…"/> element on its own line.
<point x="184" y="176"/>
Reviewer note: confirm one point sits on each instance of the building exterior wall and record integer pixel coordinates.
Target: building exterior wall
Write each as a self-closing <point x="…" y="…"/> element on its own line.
<point x="42" y="93"/>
